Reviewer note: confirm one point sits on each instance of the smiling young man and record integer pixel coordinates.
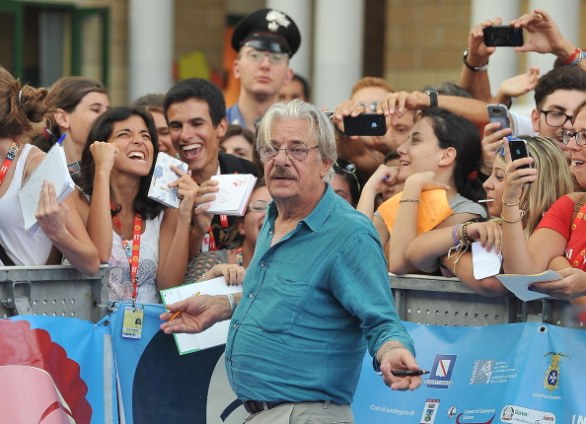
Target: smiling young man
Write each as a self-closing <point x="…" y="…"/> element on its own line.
<point x="196" y="112"/>
<point x="265" y="41"/>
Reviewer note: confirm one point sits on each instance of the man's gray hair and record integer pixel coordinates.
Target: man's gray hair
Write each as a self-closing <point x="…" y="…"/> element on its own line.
<point x="320" y="127"/>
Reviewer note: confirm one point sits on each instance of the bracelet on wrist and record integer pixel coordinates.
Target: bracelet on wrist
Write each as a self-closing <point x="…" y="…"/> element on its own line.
<point x="513" y="221"/>
<point x="465" y="238"/>
<point x="576" y="55"/>
<point x="410" y="201"/>
<point x="231" y="301"/>
<point x="511" y="204"/>
<point x="456" y="234"/>
<point x="473" y="68"/>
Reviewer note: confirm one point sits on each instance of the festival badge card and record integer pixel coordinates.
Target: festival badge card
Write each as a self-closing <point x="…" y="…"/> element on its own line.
<point x="159" y="189"/>
<point x="217" y="334"/>
<point x="233" y="195"/>
<point x="53" y="168"/>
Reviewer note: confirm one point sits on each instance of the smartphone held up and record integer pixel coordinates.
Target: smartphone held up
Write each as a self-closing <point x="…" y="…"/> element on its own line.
<point x="503" y="36"/>
<point x="365" y="124"/>
<point x="518" y="149"/>
<point x="498" y="113"/>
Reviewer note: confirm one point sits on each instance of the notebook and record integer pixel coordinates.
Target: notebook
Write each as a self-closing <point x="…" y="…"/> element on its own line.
<point x="217" y="334"/>
<point x="159" y="189"/>
<point x="53" y="168"/>
<point x="233" y="195"/>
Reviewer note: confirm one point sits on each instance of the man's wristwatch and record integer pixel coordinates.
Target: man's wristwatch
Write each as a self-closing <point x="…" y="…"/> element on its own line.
<point x="432" y="98"/>
<point x="473" y="68"/>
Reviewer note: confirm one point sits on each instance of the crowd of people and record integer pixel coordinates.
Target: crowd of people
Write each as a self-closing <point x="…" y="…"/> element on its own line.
<point x="331" y="214"/>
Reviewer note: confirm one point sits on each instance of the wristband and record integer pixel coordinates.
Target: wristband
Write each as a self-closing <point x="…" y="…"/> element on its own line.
<point x="473" y="68"/>
<point x="577" y="54"/>
<point x="230" y="298"/>
<point x="432" y="98"/>
<point x="455" y="234"/>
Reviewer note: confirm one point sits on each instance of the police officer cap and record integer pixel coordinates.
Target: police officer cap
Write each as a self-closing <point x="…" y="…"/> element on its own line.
<point x="267" y="30"/>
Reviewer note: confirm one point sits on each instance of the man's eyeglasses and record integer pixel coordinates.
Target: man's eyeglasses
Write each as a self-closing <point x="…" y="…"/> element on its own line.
<point x="578" y="136"/>
<point x="349" y="168"/>
<point x="555" y="118"/>
<point x="258" y="206"/>
<point x="258" y="56"/>
<point x="299" y="153"/>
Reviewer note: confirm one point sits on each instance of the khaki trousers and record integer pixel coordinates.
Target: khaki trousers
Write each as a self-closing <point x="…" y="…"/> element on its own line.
<point x="304" y="413"/>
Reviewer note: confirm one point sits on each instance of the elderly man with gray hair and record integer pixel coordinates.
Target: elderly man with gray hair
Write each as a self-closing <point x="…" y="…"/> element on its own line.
<point x="316" y="293"/>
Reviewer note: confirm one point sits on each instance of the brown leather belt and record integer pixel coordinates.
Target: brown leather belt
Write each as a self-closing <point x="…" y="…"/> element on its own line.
<point x="255" y="406"/>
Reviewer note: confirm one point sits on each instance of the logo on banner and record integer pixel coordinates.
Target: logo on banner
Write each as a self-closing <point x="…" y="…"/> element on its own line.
<point x="552" y="373"/>
<point x="441" y="371"/>
<point x="452" y="410"/>
<point x="429" y="411"/>
<point x="482" y="372"/>
<point x="468" y="422"/>
<point x="514" y="414"/>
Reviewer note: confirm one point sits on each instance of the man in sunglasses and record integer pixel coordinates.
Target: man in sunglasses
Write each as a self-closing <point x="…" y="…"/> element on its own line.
<point x="316" y="293"/>
<point x="265" y="41"/>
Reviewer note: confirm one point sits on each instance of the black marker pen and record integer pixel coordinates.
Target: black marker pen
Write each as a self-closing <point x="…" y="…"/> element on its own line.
<point x="402" y="373"/>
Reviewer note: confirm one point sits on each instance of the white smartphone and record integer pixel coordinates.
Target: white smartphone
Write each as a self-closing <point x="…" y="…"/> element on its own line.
<point x="499" y="113"/>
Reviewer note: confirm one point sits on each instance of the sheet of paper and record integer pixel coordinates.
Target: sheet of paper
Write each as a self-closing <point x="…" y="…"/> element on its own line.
<point x="486" y="263"/>
<point x="518" y="283"/>
<point x="53" y="168"/>
<point x="213" y="336"/>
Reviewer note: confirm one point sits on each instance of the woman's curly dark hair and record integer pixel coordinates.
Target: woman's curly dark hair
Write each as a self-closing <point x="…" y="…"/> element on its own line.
<point x="101" y="130"/>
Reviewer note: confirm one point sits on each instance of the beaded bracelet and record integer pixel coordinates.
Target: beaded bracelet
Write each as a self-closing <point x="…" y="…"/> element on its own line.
<point x="465" y="239"/>
<point x="409" y="201"/>
<point x="521" y="215"/>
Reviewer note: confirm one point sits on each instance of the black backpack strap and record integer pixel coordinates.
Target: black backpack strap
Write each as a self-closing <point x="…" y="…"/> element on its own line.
<point x="4" y="257"/>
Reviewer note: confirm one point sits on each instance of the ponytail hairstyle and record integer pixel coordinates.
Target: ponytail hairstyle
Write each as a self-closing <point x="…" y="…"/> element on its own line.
<point x="455" y="131"/>
<point x="65" y="93"/>
<point x="20" y="106"/>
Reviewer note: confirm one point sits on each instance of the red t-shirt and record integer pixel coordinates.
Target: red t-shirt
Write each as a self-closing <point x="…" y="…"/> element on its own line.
<point x="559" y="218"/>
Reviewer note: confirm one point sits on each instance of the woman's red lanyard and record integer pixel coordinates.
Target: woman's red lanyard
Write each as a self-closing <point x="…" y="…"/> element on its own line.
<point x="578" y="259"/>
<point x="8" y="160"/>
<point x="134" y="253"/>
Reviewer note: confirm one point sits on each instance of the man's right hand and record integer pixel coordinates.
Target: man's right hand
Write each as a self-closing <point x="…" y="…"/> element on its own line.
<point x="197" y="313"/>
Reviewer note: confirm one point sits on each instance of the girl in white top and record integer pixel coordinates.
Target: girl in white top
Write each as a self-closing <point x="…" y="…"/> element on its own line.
<point x="59" y="224"/>
<point x="145" y="244"/>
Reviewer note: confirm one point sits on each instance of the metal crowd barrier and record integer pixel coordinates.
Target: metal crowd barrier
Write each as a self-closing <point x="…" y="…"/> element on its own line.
<point x="57" y="290"/>
<point x="53" y="290"/>
<point x="447" y="301"/>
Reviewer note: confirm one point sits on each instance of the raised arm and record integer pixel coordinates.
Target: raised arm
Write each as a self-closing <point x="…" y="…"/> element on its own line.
<point x="474" y="73"/>
<point x="405" y="228"/>
<point x="99" y="222"/>
<point x="401" y="101"/>
<point x="174" y="236"/>
<point x="544" y="36"/>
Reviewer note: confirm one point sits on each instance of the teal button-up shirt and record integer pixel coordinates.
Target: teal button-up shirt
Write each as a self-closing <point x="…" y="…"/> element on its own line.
<point x="311" y="305"/>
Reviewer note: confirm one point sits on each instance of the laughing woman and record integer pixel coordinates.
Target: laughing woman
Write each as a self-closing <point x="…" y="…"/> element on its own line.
<point x="145" y="244"/>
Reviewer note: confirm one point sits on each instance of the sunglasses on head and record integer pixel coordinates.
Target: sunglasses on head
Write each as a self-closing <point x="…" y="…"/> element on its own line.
<point x="347" y="167"/>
